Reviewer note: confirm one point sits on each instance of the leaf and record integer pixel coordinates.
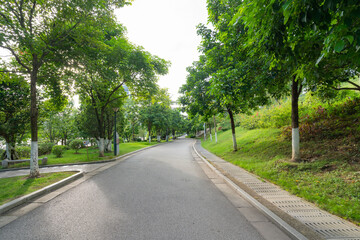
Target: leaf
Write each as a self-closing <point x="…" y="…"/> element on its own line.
<point x="339" y="46"/>
<point x="350" y="38"/>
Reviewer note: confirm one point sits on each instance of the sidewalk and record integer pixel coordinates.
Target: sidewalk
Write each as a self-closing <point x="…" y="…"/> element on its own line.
<point x="298" y="213"/>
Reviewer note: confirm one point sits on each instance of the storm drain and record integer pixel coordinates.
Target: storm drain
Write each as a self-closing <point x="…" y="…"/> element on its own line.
<point x="325" y="224"/>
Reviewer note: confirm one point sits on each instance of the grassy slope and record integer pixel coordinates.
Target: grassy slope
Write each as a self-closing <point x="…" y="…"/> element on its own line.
<point x="330" y="182"/>
<point x="15" y="187"/>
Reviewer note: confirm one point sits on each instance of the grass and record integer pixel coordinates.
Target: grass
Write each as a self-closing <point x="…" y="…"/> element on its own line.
<point x="70" y="156"/>
<point x="15" y="187"/>
<point x="330" y="176"/>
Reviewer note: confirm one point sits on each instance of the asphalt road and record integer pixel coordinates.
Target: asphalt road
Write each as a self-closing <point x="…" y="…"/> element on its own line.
<point x="160" y="193"/>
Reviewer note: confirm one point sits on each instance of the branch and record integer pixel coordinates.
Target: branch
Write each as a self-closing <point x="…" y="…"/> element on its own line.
<point x="31" y="16"/>
<point x="356" y="89"/>
<point x="17" y="58"/>
<point x="113" y="91"/>
<point x="353" y="84"/>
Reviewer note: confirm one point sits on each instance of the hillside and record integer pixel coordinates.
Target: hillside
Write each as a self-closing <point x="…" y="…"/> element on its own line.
<point x="329" y="174"/>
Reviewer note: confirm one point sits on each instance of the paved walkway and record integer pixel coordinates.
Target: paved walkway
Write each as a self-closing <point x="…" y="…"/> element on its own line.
<point x="283" y="203"/>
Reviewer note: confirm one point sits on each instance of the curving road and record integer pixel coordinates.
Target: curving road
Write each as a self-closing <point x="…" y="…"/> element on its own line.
<point x="160" y="193"/>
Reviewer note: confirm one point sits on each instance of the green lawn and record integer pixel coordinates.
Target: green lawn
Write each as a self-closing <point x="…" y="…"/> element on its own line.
<point x="81" y="157"/>
<point x="328" y="179"/>
<point x="15" y="187"/>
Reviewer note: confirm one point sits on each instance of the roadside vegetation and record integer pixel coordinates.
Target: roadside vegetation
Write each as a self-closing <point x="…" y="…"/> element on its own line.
<point x="329" y="173"/>
<point x="84" y="155"/>
<point x="15" y="187"/>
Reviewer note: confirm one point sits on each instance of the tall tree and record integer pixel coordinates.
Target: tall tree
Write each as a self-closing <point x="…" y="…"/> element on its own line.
<point x="106" y="65"/>
<point x="41" y="34"/>
<point x="292" y="35"/>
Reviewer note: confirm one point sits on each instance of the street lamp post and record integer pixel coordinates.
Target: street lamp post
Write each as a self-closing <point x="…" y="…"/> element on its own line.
<point x="115" y="143"/>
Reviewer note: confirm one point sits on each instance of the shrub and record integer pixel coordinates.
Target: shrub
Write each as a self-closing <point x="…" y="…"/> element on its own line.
<point x="23" y="151"/>
<point x="45" y="148"/>
<point x="58" y="150"/>
<point x="76" y="144"/>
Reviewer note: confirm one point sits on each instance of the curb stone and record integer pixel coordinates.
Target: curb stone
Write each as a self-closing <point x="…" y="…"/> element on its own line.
<point x="21" y="200"/>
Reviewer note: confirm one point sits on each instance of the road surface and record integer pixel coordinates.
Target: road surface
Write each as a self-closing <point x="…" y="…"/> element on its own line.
<point x="160" y="193"/>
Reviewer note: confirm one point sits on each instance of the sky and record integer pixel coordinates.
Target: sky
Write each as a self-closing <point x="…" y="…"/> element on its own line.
<point x="166" y="28"/>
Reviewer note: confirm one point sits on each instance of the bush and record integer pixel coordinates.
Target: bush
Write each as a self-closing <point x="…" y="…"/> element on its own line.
<point x="76" y="144"/>
<point x="45" y="148"/>
<point x="23" y="151"/>
<point x="58" y="150"/>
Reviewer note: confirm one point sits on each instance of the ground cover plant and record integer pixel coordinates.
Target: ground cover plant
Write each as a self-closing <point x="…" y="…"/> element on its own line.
<point x="15" y="187"/>
<point x="329" y="174"/>
<point x="81" y="156"/>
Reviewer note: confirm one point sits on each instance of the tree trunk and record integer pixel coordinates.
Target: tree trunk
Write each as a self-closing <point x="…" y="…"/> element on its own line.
<point x="34" y="164"/>
<point x="215" y="129"/>
<point x="295" y="93"/>
<point x="158" y="137"/>
<point x="149" y="130"/>
<point x="101" y="147"/>
<point x="10" y="152"/>
<point x="232" y="128"/>
<point x="204" y="131"/>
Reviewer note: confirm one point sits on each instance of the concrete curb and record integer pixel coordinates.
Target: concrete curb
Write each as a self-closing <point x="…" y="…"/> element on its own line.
<point x="292" y="232"/>
<point x="10" y="205"/>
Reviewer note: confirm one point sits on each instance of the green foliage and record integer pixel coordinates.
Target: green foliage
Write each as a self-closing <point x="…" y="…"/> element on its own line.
<point x="58" y="150"/>
<point x="14" y="107"/>
<point x="313" y="110"/>
<point x="76" y="144"/>
<point x="45" y="148"/>
<point x="23" y="151"/>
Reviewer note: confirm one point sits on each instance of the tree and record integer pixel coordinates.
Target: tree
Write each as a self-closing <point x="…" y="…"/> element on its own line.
<point x="294" y="34"/>
<point x="14" y="110"/>
<point x="154" y="111"/>
<point x="105" y="66"/>
<point x="40" y="35"/>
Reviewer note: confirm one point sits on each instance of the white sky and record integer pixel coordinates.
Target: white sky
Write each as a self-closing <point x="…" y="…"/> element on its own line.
<point x="166" y="28"/>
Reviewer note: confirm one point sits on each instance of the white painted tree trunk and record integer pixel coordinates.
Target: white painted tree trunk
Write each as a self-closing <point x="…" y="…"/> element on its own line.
<point x="8" y="151"/>
<point x="149" y="139"/>
<point x="101" y="147"/>
<point x="158" y="138"/>
<point x="215" y="129"/>
<point x="234" y="141"/>
<point x="204" y="131"/>
<point x="34" y="161"/>
<point x="295" y="144"/>
<point x="108" y="145"/>
<point x="167" y="138"/>
<point x="210" y="137"/>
